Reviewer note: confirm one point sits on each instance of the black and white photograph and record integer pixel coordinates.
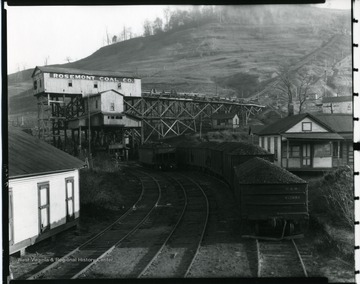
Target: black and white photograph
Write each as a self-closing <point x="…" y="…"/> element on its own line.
<point x="180" y="141"/>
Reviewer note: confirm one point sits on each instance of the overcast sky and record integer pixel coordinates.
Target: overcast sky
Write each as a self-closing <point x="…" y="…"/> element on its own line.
<point x="36" y="33"/>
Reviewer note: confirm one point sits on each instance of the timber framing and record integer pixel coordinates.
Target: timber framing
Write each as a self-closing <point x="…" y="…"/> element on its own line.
<point x="160" y="116"/>
<point x="163" y="117"/>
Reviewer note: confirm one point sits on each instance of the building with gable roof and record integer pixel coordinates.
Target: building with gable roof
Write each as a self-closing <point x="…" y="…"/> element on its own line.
<point x="225" y="121"/>
<point x="310" y="142"/>
<point x="44" y="190"/>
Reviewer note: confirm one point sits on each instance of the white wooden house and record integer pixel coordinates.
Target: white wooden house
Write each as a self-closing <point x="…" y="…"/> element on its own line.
<point x="309" y="142"/>
<point x="43" y="190"/>
<point x="225" y="121"/>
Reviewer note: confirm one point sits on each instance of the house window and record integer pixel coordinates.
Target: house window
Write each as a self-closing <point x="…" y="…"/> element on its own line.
<point x="295" y="151"/>
<point x="40" y="83"/>
<point x="70" y="83"/>
<point x="69" y="187"/>
<point x="95" y="85"/>
<point x="276" y="147"/>
<point x="263" y="142"/>
<point x="112" y="106"/>
<point x="35" y="84"/>
<point x="268" y="143"/>
<point x="44" y="206"/>
<point x="96" y="104"/>
<point x="306" y="126"/>
<point x="322" y="150"/>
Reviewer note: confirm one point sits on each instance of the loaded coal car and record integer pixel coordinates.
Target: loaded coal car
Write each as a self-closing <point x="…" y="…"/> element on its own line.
<point x="185" y="155"/>
<point x="194" y="155"/>
<point x="237" y="153"/>
<point x="273" y="201"/>
<point x="158" y="155"/>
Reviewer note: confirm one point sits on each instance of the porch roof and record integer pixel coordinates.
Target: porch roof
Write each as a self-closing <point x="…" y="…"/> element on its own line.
<point x="313" y="136"/>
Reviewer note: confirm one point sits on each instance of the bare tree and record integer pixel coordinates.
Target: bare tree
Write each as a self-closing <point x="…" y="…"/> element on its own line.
<point x="107" y="37"/>
<point x="157" y="26"/>
<point x="46" y="60"/>
<point x="293" y="86"/>
<point x="147" y="28"/>
<point x="286" y="89"/>
<point x="167" y="14"/>
<point x="303" y="88"/>
<point x="129" y="32"/>
<point x="68" y="59"/>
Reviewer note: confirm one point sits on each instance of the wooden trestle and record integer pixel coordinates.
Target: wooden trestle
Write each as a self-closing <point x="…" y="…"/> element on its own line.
<point x="163" y="116"/>
<point x="160" y="116"/>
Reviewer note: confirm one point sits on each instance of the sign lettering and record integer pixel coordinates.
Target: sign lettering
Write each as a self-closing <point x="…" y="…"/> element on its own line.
<point x="92" y="77"/>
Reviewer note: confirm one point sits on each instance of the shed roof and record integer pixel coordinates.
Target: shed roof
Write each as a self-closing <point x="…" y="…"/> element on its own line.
<point x="223" y="115"/>
<point x="54" y="69"/>
<point x="260" y="171"/>
<point x="31" y="156"/>
<point x="337" y="99"/>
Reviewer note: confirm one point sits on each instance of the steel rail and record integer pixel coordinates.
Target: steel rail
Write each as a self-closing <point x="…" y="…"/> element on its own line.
<point x="43" y="271"/>
<point x="204" y="229"/>
<point x="258" y="258"/>
<point x="39" y="273"/>
<point x="294" y="247"/>
<point x="170" y="234"/>
<point x="300" y="258"/>
<point x="128" y="234"/>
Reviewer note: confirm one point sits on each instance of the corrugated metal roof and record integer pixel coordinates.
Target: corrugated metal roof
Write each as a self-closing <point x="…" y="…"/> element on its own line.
<point x="54" y="69"/>
<point x="314" y="136"/>
<point x="260" y="171"/>
<point x="30" y="156"/>
<point x="337" y="99"/>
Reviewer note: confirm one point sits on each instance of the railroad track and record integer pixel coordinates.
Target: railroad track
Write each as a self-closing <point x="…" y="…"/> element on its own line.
<point x="83" y="257"/>
<point x="279" y="259"/>
<point x="176" y="256"/>
<point x="134" y="254"/>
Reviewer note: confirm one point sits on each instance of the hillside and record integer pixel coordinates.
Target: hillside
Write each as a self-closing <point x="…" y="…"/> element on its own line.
<point x="231" y="58"/>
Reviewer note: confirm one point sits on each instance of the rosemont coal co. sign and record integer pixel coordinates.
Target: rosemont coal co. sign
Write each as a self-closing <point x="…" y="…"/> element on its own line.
<point x="91" y="77"/>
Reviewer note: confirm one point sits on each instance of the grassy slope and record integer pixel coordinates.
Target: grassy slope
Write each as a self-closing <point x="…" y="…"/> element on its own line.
<point x="238" y="58"/>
